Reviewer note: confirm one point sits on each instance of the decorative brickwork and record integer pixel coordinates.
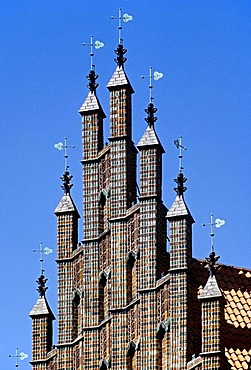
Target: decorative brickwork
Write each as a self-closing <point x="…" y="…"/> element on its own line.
<point x="212" y="329"/>
<point x="42" y="331"/>
<point x="180" y="289"/>
<point x="124" y="302"/>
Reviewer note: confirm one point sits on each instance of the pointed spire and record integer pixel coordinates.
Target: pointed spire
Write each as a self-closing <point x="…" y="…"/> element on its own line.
<point x="41" y="281"/>
<point x="66" y="178"/>
<point x="150" y="119"/>
<point x="179" y="207"/>
<point x="66" y="204"/>
<point x="211" y="289"/>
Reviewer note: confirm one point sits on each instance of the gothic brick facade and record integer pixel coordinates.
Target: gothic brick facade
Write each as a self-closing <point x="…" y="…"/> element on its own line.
<point x="124" y="302"/>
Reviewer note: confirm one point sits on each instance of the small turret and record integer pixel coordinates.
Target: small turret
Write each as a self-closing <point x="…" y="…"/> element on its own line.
<point x="42" y="318"/>
<point x="212" y="315"/>
<point x="180" y="289"/>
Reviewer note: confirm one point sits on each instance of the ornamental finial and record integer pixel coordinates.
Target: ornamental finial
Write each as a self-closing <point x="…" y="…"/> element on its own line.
<point x="180" y="189"/>
<point x="66" y="178"/>
<point x="92" y="85"/>
<point x="211" y="263"/>
<point x="120" y="51"/>
<point x="150" y="119"/>
<point x="41" y="285"/>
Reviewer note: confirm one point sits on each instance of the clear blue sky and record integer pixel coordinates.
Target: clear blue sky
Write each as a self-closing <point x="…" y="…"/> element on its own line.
<point x="203" y="49"/>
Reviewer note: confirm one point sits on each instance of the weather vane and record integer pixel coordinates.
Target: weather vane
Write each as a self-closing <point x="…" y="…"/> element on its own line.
<point x="217" y="223"/>
<point x="21" y="356"/>
<point x="178" y="144"/>
<point x="97" y="45"/>
<point x="156" y="76"/>
<point x="42" y="250"/>
<point x="126" y="18"/>
<point x="61" y="146"/>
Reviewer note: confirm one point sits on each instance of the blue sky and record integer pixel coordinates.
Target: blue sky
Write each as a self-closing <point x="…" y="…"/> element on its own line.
<point x="203" y="50"/>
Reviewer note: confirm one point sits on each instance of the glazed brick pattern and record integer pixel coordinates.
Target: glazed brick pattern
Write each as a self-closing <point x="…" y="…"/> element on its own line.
<point x="153" y="255"/>
<point x="212" y="333"/>
<point x="92" y="135"/>
<point x="148" y="240"/>
<point x="118" y="178"/>
<point x="67" y="234"/>
<point x="40" y="366"/>
<point x="93" y="220"/>
<point x="65" y="358"/>
<point x="118" y="264"/>
<point x="120" y="113"/>
<point x="123" y="177"/>
<point x="151" y="172"/>
<point x="67" y="243"/>
<point x="106" y="318"/>
<point x="178" y="310"/>
<point x="119" y="340"/>
<point x="91" y="352"/>
<point x="149" y="345"/>
<point x="180" y="244"/>
<point x="180" y="305"/>
<point x="65" y="302"/>
<point x="212" y="363"/>
<point x="41" y="337"/>
<point x="91" y="292"/>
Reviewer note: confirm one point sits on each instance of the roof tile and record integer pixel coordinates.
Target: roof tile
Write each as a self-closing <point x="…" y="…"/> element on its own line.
<point x="236" y="286"/>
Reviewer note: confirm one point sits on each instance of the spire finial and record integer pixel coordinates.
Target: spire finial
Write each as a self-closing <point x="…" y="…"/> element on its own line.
<point x="181" y="179"/>
<point x="217" y="223"/>
<point x="211" y="263"/>
<point x="66" y="178"/>
<point x="126" y="18"/>
<point x="41" y="281"/>
<point x="65" y="146"/>
<point x="178" y="144"/>
<point x="156" y="76"/>
<point x="97" y="45"/>
<point x="92" y="85"/>
<point x="150" y="119"/>
<point x="42" y="250"/>
<point x="17" y="356"/>
<point x="180" y="189"/>
<point x="120" y="51"/>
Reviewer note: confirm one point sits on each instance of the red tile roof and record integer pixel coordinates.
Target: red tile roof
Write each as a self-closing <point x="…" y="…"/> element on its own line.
<point x="235" y="283"/>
